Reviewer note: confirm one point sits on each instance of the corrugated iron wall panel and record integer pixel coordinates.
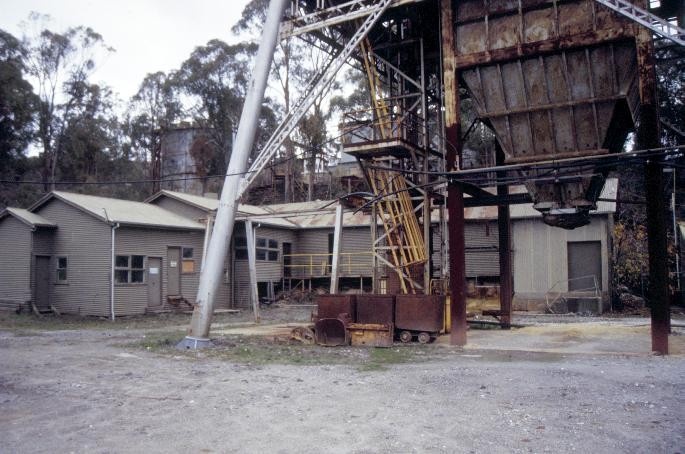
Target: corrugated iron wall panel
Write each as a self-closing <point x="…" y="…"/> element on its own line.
<point x="132" y="298"/>
<point x="15" y="262"/>
<point x="540" y="254"/>
<point x="267" y="271"/>
<point x="86" y="243"/>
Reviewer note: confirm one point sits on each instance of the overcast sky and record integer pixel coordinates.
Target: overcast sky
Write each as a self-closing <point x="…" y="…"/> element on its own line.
<point x="148" y="35"/>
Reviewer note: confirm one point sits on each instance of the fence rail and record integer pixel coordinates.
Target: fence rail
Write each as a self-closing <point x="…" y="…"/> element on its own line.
<point x="321" y="264"/>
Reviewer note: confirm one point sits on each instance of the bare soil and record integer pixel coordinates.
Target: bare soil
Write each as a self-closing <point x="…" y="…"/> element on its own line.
<point x="562" y="384"/>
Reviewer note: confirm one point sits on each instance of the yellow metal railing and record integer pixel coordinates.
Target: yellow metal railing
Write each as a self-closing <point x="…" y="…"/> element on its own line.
<point x="320" y="264"/>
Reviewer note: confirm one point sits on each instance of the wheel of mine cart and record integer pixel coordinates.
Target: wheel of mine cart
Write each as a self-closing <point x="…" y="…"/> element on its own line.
<point x="405" y="336"/>
<point x="424" y="338"/>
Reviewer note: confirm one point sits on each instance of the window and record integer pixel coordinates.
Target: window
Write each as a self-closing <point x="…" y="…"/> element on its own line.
<point x="266" y="249"/>
<point x="187" y="263"/>
<point x="61" y="270"/>
<point x="129" y="269"/>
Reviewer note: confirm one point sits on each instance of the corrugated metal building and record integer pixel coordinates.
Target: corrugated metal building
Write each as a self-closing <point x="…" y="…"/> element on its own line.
<point x="60" y="251"/>
<point x="545" y="258"/>
<point x="20" y="266"/>
<point x="101" y="256"/>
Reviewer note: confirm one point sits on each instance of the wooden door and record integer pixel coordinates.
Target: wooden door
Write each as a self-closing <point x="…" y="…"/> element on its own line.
<point x="154" y="281"/>
<point x="41" y="289"/>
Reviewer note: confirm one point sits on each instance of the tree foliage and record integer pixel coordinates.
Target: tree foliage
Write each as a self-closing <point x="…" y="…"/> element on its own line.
<point x="18" y="103"/>
<point x="61" y="64"/>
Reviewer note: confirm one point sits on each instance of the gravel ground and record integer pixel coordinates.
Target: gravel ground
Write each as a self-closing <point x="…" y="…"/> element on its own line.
<point x="115" y="390"/>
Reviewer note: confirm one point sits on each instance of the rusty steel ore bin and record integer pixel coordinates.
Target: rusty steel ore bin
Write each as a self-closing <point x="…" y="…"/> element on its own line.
<point x="331" y="332"/>
<point x="378" y="309"/>
<point x="419" y="312"/>
<point x="331" y="306"/>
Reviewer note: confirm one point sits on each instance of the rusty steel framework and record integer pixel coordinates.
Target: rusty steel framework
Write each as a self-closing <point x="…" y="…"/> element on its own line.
<point x="401" y="130"/>
<point x="553" y="79"/>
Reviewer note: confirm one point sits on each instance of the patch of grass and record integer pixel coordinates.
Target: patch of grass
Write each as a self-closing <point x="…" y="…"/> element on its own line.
<point x="380" y="358"/>
<point x="13" y="322"/>
<point x="256" y="350"/>
<point x="160" y="342"/>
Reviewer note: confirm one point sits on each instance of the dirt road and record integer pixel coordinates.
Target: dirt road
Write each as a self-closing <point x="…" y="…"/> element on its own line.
<point x="104" y="391"/>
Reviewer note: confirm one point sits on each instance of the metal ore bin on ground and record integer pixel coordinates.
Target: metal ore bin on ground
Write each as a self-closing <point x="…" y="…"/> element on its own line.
<point x="419" y="315"/>
<point x="332" y="306"/>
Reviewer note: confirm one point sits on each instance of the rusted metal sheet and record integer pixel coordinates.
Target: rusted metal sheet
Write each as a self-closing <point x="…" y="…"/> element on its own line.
<point x="419" y="312"/>
<point x="378" y="309"/>
<point x="371" y="334"/>
<point x="331" y="332"/>
<point x="332" y="306"/>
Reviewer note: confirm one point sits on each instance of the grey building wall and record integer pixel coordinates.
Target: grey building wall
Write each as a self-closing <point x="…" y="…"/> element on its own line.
<point x="482" y="246"/>
<point x="482" y="249"/>
<point x="133" y="298"/>
<point x="540" y="257"/>
<point x="15" y="262"/>
<point x="85" y="241"/>
<point x="267" y="271"/>
<point x="356" y="241"/>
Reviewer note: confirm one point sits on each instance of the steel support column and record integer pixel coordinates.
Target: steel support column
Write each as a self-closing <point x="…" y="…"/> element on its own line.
<point x="506" y="280"/>
<point x="648" y="137"/>
<point x="455" y="191"/>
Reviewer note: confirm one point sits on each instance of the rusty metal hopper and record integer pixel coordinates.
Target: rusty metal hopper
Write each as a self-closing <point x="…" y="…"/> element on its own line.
<point x="559" y="106"/>
<point x="554" y="82"/>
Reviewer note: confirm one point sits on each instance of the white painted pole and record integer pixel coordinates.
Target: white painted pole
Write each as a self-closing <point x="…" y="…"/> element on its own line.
<point x="252" y="265"/>
<point x="337" y="242"/>
<point x="210" y="277"/>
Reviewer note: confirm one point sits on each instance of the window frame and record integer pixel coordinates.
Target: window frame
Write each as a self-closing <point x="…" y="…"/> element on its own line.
<point x="190" y="259"/>
<point x="129" y="269"/>
<point x="269" y="247"/>
<point x="266" y="249"/>
<point x="65" y="269"/>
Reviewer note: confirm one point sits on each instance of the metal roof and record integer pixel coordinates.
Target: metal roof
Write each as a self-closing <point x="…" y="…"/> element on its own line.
<point x="203" y="203"/>
<point x="321" y="213"/>
<point x="122" y="211"/>
<point x="28" y="218"/>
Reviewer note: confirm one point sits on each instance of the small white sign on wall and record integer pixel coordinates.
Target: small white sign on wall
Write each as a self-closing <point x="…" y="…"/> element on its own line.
<point x="173" y="263"/>
<point x="154" y="270"/>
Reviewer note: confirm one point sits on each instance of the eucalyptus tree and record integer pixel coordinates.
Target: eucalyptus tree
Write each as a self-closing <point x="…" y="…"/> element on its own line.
<point x="61" y="65"/>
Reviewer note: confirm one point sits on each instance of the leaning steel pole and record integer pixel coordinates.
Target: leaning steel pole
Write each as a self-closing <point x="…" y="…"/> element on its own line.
<point x="210" y="277"/>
